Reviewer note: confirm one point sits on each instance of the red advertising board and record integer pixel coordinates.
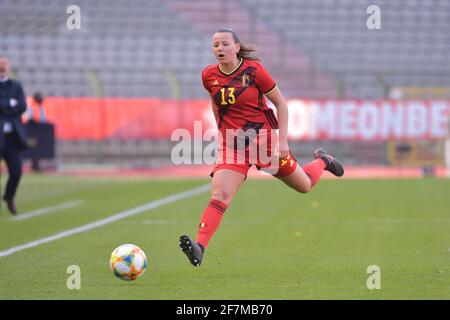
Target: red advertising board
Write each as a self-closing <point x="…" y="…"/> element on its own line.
<point x="148" y="118"/>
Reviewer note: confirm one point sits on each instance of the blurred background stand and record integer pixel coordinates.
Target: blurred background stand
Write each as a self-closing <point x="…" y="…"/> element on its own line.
<point x="41" y="134"/>
<point x="41" y="141"/>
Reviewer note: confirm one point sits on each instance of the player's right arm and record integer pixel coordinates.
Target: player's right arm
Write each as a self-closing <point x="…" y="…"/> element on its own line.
<point x="215" y="109"/>
<point x="208" y="88"/>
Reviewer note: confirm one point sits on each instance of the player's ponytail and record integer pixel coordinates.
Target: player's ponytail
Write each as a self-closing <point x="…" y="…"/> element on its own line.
<point x="246" y="51"/>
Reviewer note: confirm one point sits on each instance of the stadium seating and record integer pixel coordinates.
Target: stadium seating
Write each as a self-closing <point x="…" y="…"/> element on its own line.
<point x="313" y="48"/>
<point x="157" y="48"/>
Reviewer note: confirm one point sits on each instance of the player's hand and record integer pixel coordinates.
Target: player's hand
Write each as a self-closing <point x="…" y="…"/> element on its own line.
<point x="284" y="149"/>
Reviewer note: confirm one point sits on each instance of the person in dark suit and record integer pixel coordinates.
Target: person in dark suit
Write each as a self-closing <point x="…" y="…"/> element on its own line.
<point x="13" y="137"/>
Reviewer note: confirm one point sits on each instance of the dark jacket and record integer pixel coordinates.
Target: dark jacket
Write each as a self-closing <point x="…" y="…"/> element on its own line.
<point x="12" y="89"/>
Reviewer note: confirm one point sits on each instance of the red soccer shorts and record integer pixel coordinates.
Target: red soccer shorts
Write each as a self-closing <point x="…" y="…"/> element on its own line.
<point x="286" y="167"/>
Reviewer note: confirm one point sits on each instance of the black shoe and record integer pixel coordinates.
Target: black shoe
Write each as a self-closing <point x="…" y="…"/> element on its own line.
<point x="332" y="164"/>
<point x="11" y="206"/>
<point x="192" y="250"/>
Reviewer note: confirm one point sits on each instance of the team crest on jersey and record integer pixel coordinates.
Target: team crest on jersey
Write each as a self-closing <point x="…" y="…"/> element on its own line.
<point x="245" y="80"/>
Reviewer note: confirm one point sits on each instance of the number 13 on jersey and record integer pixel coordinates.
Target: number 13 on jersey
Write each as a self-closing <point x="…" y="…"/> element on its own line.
<point x="231" y="98"/>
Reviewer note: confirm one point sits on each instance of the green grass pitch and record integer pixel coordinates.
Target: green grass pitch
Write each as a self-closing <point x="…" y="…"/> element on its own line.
<point x="273" y="243"/>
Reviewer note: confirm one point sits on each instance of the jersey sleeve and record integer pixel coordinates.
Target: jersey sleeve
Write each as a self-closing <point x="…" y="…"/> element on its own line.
<point x="264" y="80"/>
<point x="205" y="84"/>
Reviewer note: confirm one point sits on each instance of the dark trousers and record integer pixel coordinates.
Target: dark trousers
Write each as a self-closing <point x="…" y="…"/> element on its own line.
<point x="11" y="153"/>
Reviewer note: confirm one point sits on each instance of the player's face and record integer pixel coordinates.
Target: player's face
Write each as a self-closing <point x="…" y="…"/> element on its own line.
<point x="224" y="47"/>
<point x="4" y="67"/>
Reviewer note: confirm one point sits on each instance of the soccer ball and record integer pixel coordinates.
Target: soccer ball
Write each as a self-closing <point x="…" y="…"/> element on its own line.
<point x="128" y="262"/>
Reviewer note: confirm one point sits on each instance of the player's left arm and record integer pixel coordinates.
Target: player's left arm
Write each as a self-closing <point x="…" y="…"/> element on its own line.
<point x="279" y="101"/>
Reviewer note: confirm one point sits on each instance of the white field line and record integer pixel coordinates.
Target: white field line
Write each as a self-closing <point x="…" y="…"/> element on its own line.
<point x="38" y="212"/>
<point x="119" y="216"/>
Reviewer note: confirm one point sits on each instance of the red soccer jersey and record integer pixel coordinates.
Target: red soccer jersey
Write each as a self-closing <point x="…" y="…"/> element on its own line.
<point x="241" y="106"/>
<point x="239" y="96"/>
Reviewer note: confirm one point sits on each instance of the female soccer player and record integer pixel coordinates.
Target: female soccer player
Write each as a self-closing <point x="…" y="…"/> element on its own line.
<point x="237" y="85"/>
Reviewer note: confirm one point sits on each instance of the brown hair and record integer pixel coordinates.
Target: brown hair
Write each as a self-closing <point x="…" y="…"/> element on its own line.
<point x="246" y="51"/>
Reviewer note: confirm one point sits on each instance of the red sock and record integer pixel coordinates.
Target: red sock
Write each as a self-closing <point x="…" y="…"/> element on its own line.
<point x="210" y="221"/>
<point x="314" y="170"/>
